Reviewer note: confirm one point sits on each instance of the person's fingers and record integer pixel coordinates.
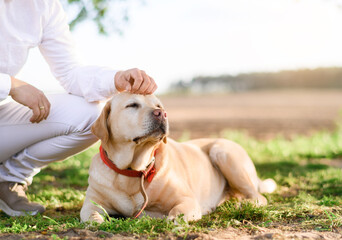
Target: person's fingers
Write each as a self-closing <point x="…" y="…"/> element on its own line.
<point x="41" y="112"/>
<point x="145" y="84"/>
<point x="36" y="113"/>
<point x="120" y="81"/>
<point x="152" y="88"/>
<point x="49" y="109"/>
<point x="123" y="81"/>
<point x="45" y="110"/>
<point x="42" y="105"/>
<point x="137" y="80"/>
<point x="47" y="106"/>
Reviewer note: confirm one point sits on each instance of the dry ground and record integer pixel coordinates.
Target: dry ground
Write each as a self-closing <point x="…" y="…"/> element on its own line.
<point x="229" y="233"/>
<point x="263" y="114"/>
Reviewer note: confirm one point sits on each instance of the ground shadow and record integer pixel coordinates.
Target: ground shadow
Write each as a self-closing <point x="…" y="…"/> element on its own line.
<point x="322" y="185"/>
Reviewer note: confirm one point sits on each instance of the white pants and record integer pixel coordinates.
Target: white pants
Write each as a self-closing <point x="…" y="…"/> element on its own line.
<point x="26" y="147"/>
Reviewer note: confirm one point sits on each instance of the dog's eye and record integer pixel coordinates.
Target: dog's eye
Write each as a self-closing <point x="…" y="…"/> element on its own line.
<point x="133" y="105"/>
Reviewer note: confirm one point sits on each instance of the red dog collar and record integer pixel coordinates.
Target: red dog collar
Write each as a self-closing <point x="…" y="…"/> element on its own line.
<point x="148" y="173"/>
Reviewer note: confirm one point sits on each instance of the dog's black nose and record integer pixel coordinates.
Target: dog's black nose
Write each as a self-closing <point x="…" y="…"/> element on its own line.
<point x="159" y="114"/>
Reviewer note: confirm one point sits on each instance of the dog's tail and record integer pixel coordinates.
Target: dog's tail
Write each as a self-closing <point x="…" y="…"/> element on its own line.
<point x="267" y="186"/>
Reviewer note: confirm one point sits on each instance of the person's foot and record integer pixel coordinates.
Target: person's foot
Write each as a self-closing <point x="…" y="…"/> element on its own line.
<point x="14" y="202"/>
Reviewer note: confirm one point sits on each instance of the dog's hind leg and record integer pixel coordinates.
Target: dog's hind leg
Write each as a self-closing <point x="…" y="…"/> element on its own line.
<point x="238" y="169"/>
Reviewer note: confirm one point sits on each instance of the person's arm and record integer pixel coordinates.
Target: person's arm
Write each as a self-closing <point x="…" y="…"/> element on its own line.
<point x="92" y="82"/>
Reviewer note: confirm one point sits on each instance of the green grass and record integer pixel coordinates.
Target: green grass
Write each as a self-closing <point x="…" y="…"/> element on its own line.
<point x="309" y="194"/>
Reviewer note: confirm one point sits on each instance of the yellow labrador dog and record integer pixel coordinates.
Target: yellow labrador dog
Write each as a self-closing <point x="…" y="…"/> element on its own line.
<point x="190" y="178"/>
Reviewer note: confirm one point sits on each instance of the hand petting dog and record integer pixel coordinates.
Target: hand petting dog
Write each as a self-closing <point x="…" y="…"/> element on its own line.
<point x="134" y="81"/>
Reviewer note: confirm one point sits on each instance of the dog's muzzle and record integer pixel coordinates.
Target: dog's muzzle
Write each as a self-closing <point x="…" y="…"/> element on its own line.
<point x="159" y="123"/>
<point x="158" y="127"/>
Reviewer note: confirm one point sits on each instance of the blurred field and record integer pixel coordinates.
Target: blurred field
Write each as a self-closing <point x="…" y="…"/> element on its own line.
<point x="262" y="114"/>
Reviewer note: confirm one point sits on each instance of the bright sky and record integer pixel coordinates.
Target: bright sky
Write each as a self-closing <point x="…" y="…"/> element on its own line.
<point x="179" y="39"/>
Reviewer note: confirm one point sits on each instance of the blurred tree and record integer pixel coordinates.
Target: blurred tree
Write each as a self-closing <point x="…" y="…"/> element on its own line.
<point x="108" y="15"/>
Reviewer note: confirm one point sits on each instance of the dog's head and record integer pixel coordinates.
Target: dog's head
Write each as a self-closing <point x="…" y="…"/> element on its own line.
<point x="130" y="121"/>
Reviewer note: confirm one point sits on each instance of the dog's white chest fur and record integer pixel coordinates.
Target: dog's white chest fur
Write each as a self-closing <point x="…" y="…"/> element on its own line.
<point x="107" y="183"/>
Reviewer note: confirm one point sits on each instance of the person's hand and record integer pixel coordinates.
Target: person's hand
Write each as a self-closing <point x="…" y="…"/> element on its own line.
<point x="31" y="97"/>
<point x="134" y="81"/>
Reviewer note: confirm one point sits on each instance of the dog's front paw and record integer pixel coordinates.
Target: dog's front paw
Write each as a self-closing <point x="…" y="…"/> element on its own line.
<point x="96" y="217"/>
<point x="185" y="212"/>
<point x="178" y="220"/>
<point x="91" y="216"/>
<point x="259" y="200"/>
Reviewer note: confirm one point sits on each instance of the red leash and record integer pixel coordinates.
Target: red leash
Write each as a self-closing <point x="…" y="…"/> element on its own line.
<point x="148" y="174"/>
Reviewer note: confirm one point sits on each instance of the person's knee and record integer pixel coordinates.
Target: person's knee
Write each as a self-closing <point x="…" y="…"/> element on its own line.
<point x="74" y="111"/>
<point x="88" y="113"/>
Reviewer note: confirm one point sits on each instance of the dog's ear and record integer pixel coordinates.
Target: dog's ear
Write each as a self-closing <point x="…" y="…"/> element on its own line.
<point x="100" y="128"/>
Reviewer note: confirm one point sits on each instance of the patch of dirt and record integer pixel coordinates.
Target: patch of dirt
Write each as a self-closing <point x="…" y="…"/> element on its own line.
<point x="337" y="163"/>
<point x="256" y="233"/>
<point x="69" y="234"/>
<point x="262" y="114"/>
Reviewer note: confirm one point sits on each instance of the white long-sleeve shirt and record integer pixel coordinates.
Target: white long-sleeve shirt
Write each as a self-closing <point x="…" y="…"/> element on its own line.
<point x="25" y="24"/>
